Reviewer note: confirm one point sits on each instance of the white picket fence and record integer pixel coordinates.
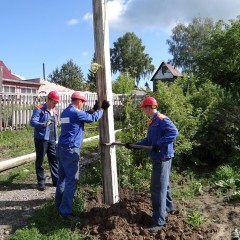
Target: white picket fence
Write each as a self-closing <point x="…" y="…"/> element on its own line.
<point x="16" y="110"/>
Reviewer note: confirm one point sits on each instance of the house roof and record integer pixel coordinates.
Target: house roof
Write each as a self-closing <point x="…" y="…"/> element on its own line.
<point x="47" y="86"/>
<point x="7" y="74"/>
<point x="171" y="68"/>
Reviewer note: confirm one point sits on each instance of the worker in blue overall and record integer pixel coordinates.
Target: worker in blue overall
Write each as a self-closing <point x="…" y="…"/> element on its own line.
<point x="161" y="135"/>
<point x="70" y="142"/>
<point x="44" y="120"/>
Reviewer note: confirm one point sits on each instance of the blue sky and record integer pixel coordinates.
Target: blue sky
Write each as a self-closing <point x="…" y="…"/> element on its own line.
<point x="52" y="32"/>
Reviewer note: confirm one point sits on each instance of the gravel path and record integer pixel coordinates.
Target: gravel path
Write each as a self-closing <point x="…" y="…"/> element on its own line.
<point x="18" y="201"/>
<point x="17" y="204"/>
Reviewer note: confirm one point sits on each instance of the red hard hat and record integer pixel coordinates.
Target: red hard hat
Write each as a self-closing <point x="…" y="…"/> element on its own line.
<point x="149" y="101"/>
<point x="54" y="96"/>
<point x="78" y="95"/>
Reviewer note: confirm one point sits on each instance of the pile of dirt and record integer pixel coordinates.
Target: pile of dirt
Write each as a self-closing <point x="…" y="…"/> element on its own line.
<point x="129" y="218"/>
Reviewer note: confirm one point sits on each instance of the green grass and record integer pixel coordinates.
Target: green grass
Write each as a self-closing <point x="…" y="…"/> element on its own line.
<point x="195" y="218"/>
<point x="15" y="143"/>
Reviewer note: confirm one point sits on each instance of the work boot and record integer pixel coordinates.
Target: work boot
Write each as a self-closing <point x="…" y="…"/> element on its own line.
<point x="154" y="228"/>
<point x="41" y="187"/>
<point x="71" y="218"/>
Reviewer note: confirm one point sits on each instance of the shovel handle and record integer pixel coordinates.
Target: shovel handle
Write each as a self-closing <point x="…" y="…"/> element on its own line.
<point x="131" y="145"/>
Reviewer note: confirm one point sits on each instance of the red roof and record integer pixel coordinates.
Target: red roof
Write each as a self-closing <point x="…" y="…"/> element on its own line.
<point x="173" y="70"/>
<point x="7" y="73"/>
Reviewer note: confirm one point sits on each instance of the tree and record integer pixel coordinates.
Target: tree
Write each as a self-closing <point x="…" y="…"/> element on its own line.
<point x="186" y="42"/>
<point x="123" y="84"/>
<point x="219" y="61"/>
<point x="128" y="55"/>
<point x="70" y="76"/>
<point x="91" y="78"/>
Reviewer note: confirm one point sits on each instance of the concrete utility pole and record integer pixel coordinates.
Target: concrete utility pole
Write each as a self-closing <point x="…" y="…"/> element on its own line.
<point x="104" y="91"/>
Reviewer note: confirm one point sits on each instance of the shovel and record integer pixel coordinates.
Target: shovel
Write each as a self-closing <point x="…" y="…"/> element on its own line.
<point x="131" y="145"/>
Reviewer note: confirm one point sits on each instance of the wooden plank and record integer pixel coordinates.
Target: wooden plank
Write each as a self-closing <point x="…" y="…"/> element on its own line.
<point x="104" y="91"/>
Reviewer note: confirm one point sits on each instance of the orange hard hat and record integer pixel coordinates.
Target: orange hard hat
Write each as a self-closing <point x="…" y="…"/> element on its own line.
<point x="54" y="96"/>
<point x="78" y="95"/>
<point x="149" y="101"/>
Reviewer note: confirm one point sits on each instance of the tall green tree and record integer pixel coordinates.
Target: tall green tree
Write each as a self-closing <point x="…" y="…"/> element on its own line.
<point x="91" y="78"/>
<point x="128" y="55"/>
<point x="123" y="84"/>
<point x="69" y="75"/>
<point x="219" y="61"/>
<point x="187" y="40"/>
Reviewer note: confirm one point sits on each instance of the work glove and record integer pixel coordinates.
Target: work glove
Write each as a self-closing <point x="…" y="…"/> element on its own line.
<point x="127" y="145"/>
<point x="48" y="122"/>
<point x="105" y="105"/>
<point x="156" y="148"/>
<point x="95" y="107"/>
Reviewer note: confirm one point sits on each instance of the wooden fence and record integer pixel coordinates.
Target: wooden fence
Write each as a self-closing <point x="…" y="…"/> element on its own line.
<point x="16" y="110"/>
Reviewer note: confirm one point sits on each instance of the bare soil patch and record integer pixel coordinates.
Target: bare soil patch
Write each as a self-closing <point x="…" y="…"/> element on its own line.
<point x="129" y="218"/>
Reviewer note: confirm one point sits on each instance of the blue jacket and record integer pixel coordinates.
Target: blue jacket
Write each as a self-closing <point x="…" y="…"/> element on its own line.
<point x="39" y="117"/>
<point x="161" y="132"/>
<point x="72" y="125"/>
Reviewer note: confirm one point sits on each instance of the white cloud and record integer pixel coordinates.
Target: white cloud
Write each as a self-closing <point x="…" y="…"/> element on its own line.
<point x="88" y="17"/>
<point x="132" y="15"/>
<point x="84" y="54"/>
<point x="116" y="9"/>
<point x="73" y="22"/>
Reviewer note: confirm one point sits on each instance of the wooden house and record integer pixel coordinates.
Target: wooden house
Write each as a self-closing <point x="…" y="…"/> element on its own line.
<point x="165" y="73"/>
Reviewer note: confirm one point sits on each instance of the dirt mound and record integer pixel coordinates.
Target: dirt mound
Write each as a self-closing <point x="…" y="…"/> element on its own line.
<point x="129" y="218"/>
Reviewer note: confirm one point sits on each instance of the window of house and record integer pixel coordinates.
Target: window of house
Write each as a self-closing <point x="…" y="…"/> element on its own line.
<point x="12" y="89"/>
<point x="28" y="90"/>
<point x="23" y="90"/>
<point x="164" y="69"/>
<point x="6" y="89"/>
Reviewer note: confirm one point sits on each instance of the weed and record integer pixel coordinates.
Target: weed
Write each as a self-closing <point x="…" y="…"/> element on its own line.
<point x="195" y="218"/>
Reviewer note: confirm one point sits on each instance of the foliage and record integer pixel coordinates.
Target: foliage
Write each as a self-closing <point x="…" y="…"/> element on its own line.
<point x="128" y="55"/>
<point x="176" y="105"/>
<point x="123" y="84"/>
<point x="132" y="175"/>
<point x="195" y="218"/>
<point x="186" y="42"/>
<point x="218" y="135"/>
<point x="69" y="75"/>
<point x="226" y="178"/>
<point x="221" y="52"/>
<point x="91" y="78"/>
<point x="134" y="126"/>
<point x="26" y="234"/>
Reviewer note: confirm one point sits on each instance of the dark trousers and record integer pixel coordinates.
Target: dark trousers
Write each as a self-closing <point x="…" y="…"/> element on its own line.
<point x="42" y="148"/>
